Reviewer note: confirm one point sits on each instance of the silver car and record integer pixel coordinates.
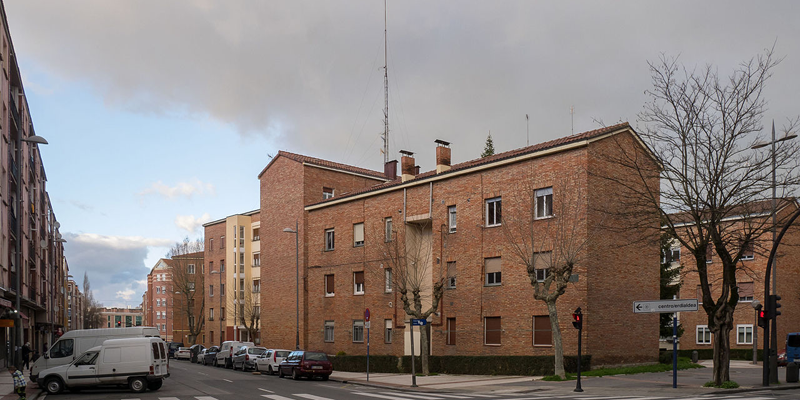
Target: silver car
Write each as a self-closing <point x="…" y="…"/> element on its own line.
<point x="269" y="361"/>
<point x="245" y="358"/>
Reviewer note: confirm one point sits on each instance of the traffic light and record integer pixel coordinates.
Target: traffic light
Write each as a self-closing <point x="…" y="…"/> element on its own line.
<point x="762" y="316"/>
<point x="774" y="305"/>
<point x="119" y="324"/>
<point x="577" y="319"/>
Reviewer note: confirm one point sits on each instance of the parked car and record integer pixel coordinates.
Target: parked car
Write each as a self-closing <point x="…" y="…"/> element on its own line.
<point x="306" y="363"/>
<point x="139" y="363"/>
<point x="194" y="351"/>
<point x="172" y="347"/>
<point x="210" y="356"/>
<point x="227" y="350"/>
<point x="782" y="358"/>
<point x="183" y="353"/>
<point x="269" y="361"/>
<point x="245" y="358"/>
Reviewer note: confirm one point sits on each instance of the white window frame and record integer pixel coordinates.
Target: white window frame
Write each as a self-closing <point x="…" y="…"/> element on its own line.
<point x="356" y="228"/>
<point x="492" y="204"/>
<point x="451" y="280"/>
<point x="387" y="274"/>
<point x="358" y="331"/>
<point x="388" y="331"/>
<point x="544" y="194"/>
<point x="705" y="330"/>
<point x="387" y="229"/>
<point x="451" y="218"/>
<point x="191" y="269"/>
<point x="325" y="285"/>
<point x="744" y="327"/>
<point x="358" y="288"/>
<point x="329" y="331"/>
<point x="542" y="274"/>
<point x="330" y="239"/>
<point x="328" y="194"/>
<point x="211" y="314"/>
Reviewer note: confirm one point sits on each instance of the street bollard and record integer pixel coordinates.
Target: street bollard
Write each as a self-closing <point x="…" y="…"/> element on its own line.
<point x="695" y="357"/>
<point x="792" y="370"/>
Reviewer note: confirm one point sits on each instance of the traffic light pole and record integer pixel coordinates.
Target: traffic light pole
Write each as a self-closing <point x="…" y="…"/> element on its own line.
<point x="577" y="322"/>
<point x="674" y="351"/>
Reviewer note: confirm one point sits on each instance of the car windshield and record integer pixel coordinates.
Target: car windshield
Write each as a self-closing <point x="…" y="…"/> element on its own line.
<point x="281" y="353"/>
<point x="256" y="350"/>
<point x="316" y="357"/>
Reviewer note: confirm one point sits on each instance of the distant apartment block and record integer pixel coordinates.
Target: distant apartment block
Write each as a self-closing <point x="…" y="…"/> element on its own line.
<point x="118" y="317"/>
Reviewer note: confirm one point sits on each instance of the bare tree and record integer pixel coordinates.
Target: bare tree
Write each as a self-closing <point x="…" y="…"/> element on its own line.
<point x="186" y="263"/>
<point x="409" y="254"/>
<point x="714" y="188"/>
<point x="549" y="244"/>
<point x="91" y="307"/>
<point x="245" y="302"/>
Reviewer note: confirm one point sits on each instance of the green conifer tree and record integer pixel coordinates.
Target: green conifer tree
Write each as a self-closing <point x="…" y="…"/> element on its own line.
<point x="488" y="149"/>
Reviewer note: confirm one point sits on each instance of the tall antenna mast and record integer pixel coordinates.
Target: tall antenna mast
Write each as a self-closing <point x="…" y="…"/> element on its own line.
<point x="572" y="119"/>
<point x="385" y="90"/>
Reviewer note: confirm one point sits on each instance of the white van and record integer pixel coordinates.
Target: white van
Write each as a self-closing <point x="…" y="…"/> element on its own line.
<point x="138" y="363"/>
<point x="225" y="355"/>
<point x="74" y="343"/>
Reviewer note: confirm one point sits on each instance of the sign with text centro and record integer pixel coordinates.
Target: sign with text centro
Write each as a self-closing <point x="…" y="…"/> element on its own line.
<point x="419" y="322"/>
<point x="664" y="306"/>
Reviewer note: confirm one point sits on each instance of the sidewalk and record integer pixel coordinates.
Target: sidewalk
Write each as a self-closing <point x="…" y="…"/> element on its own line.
<point x="690" y="382"/>
<point x="7" y="387"/>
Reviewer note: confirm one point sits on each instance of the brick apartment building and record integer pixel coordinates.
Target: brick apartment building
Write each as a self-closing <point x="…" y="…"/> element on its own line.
<point x="750" y="279"/>
<point x="119" y="317"/>
<point x="233" y="294"/>
<point x="344" y="214"/>
<point x="75" y="306"/>
<point x="43" y="268"/>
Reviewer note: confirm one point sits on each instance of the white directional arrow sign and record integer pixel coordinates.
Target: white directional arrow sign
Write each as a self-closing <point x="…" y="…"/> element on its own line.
<point x="664" y="306"/>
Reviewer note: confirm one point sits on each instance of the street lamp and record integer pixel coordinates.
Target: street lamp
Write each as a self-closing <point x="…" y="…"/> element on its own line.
<point x="772" y="340"/>
<point x="297" y="281"/>
<point x="18" y="256"/>
<point x="756" y="306"/>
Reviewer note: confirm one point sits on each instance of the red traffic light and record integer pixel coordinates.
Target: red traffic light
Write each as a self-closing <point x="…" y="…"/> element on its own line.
<point x="577" y="319"/>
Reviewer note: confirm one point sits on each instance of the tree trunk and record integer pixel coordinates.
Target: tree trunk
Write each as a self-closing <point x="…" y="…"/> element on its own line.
<point x="423" y="348"/>
<point x="558" y="347"/>
<point x="722" y="345"/>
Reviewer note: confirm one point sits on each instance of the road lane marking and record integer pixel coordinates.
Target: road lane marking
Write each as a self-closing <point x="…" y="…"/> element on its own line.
<point x="422" y="396"/>
<point x="452" y="396"/>
<point x="276" y="397"/>
<point x="311" y="396"/>
<point x="205" y="398"/>
<point x="380" y="396"/>
<point x="227" y="380"/>
<point x="168" y="398"/>
<point x="265" y="390"/>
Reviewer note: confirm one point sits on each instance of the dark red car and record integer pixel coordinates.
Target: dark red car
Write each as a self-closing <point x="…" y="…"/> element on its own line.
<point x="306" y="363"/>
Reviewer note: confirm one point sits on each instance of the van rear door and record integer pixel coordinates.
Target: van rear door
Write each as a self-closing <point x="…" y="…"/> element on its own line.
<point x="159" y="359"/>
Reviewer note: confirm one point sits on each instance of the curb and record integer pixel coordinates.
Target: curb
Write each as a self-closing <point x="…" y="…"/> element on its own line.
<point x="756" y="389"/>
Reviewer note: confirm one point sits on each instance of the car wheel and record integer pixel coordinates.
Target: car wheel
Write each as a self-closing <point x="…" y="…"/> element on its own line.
<point x="294" y="374"/>
<point x="270" y="370"/>
<point x="325" y="377"/>
<point x="280" y="372"/>
<point x="155" y="385"/>
<point x="228" y="363"/>
<point x="138" y="384"/>
<point x="53" y="385"/>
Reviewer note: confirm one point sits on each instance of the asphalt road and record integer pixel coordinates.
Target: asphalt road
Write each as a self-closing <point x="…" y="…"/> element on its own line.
<point x="196" y="382"/>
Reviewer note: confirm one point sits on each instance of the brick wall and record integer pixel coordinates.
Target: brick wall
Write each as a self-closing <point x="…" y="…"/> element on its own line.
<point x="214" y="254"/>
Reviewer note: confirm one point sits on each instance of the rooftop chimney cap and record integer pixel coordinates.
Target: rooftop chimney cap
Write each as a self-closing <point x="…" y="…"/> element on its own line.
<point x="406" y="153"/>
<point x="442" y="142"/>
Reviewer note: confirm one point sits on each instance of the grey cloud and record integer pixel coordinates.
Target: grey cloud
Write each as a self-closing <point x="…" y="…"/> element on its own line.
<point x="307" y="73"/>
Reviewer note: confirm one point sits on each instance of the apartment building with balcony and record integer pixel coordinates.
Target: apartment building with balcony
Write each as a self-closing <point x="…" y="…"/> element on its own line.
<point x="27" y="219"/>
<point x="75" y="306"/>
<point x="173" y="300"/>
<point x="455" y="214"/>
<point x="233" y="279"/>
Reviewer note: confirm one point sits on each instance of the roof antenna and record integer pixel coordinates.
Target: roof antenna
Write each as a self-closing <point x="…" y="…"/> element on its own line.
<point x="572" y="116"/>
<point x="385" y="135"/>
<point x="527" y="131"/>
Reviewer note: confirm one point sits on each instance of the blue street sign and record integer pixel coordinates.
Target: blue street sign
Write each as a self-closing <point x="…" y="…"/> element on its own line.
<point x="418" y="322"/>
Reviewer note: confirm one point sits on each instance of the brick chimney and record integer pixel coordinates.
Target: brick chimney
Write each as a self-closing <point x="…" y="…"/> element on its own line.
<point x="407" y="165"/>
<point x="442" y="156"/>
<point x="390" y="170"/>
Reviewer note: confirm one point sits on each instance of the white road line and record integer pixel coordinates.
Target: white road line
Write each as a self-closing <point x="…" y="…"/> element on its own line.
<point x="311" y="397"/>
<point x="275" y="397"/>
<point x="380" y="396"/>
<point x="132" y="399"/>
<point x="227" y="380"/>
<point x="168" y="398"/>
<point x="265" y="390"/>
<point x="205" y="398"/>
<point x="452" y="396"/>
<point x="421" y="396"/>
<point x="483" y="395"/>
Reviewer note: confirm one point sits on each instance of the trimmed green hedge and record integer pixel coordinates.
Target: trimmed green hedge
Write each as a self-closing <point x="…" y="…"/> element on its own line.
<point x="665" y="356"/>
<point x="467" y="365"/>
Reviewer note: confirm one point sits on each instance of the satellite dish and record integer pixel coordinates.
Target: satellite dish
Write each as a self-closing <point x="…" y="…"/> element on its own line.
<point x="57" y="225"/>
<point x="43" y="244"/>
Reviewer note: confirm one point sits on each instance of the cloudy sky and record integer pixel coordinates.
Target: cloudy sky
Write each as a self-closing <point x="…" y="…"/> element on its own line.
<point x="160" y="114"/>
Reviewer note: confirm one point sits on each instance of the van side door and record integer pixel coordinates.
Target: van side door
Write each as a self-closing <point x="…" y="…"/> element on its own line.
<point x="83" y="372"/>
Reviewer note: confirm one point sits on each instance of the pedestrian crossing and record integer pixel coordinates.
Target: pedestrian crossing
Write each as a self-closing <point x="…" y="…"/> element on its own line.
<point x="398" y="395"/>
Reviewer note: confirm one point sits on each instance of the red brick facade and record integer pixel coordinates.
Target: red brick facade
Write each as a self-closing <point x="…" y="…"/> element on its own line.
<point x="613" y="275"/>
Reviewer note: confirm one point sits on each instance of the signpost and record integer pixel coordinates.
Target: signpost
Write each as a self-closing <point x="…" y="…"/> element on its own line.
<point x="415" y="322"/>
<point x="668" y="306"/>
<point x="366" y="324"/>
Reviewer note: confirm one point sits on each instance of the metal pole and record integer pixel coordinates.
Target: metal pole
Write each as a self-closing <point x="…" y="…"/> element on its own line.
<point x="674" y="350"/>
<point x="367" y="351"/>
<point x="297" y="284"/>
<point x="773" y="351"/>
<point x="18" y="255"/>
<point x="578" y="383"/>
<point x="413" y="367"/>
<point x="755" y="338"/>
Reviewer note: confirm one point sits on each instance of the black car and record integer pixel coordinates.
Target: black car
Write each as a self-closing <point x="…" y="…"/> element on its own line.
<point x="194" y="350"/>
<point x="306" y="363"/>
<point x="172" y="347"/>
<point x="211" y="356"/>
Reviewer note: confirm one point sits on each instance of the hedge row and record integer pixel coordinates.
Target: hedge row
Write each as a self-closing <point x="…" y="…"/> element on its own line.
<point x="467" y="365"/>
<point x="707" y="354"/>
